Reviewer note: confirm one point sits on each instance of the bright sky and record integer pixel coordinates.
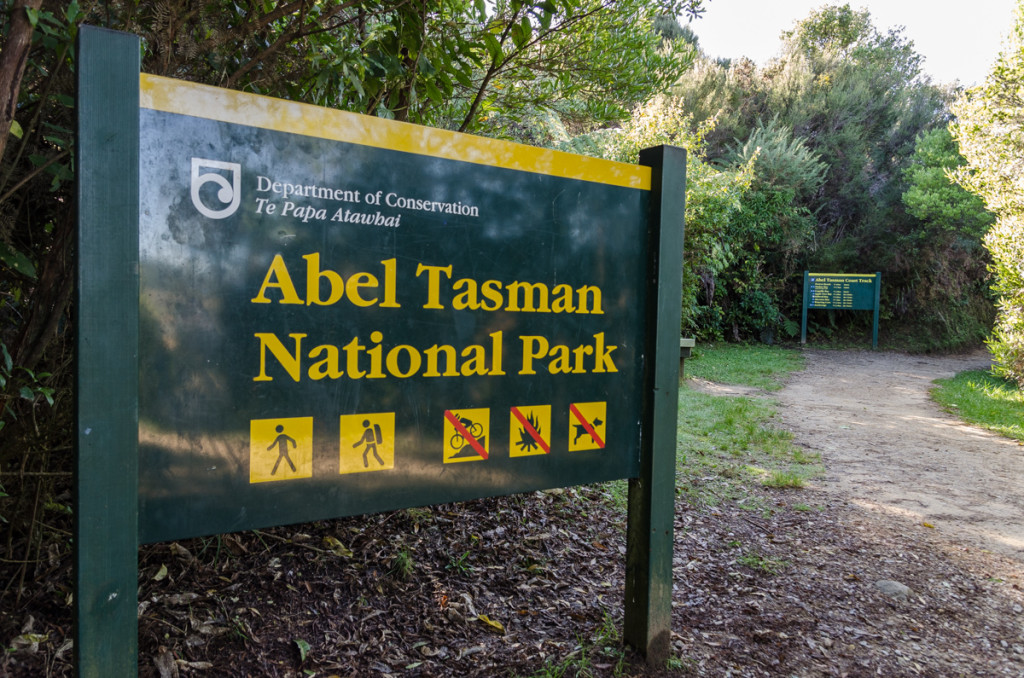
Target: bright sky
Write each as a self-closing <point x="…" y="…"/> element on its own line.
<point x="959" y="40"/>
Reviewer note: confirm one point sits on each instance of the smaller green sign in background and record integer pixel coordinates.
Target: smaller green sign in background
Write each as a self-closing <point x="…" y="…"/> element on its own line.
<point x="841" y="291"/>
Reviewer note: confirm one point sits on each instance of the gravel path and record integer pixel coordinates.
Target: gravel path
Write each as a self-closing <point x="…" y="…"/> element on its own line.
<point x="888" y="448"/>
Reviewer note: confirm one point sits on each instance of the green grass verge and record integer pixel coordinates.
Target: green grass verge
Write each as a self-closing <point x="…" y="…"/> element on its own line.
<point x="726" y="443"/>
<point x="764" y="367"/>
<point x="979" y="398"/>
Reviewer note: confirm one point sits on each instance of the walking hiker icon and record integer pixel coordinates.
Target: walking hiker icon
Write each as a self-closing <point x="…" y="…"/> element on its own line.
<point x="281" y="441"/>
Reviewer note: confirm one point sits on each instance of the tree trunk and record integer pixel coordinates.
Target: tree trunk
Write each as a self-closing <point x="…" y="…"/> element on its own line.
<point x="12" y="64"/>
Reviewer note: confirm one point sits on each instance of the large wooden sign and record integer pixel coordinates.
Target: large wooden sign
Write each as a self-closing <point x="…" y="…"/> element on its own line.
<point x="318" y="314"/>
<point x="377" y="314"/>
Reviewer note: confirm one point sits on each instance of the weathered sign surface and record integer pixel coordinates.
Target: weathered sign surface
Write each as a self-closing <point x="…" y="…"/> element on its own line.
<point x="342" y="314"/>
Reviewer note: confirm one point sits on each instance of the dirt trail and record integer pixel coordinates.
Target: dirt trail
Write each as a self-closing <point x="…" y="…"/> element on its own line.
<point x="889" y="449"/>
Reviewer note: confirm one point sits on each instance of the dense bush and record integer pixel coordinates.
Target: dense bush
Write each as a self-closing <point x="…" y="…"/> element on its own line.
<point x="849" y="101"/>
<point x="713" y="196"/>
<point x="989" y="125"/>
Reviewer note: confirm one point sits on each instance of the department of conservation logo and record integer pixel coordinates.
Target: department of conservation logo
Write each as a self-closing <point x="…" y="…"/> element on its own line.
<point x="229" y="183"/>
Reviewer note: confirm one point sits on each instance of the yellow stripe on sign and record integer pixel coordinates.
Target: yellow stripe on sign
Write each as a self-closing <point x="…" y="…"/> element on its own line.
<point x="253" y="110"/>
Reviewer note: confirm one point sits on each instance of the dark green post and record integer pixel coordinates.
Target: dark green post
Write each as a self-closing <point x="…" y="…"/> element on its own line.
<point x="806" y="302"/>
<point x="878" y="296"/>
<point x="106" y="501"/>
<point x="649" y="540"/>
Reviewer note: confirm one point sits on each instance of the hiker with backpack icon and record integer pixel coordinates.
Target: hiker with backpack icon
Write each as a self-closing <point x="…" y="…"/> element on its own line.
<point x="372" y="438"/>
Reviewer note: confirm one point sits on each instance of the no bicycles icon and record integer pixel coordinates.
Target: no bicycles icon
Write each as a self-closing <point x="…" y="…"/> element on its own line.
<point x="465" y="435"/>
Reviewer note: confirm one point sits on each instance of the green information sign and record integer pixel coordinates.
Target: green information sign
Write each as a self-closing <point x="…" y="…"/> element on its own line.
<point x="851" y="291"/>
<point x="321" y="314"/>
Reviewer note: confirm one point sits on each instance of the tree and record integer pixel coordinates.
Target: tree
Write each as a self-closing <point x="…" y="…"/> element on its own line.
<point x="949" y="282"/>
<point x="989" y="126"/>
<point x="451" y="63"/>
<point x="856" y="97"/>
<point x="934" y="198"/>
<point x="593" y="68"/>
<point x="771" y="233"/>
<point x="13" y="60"/>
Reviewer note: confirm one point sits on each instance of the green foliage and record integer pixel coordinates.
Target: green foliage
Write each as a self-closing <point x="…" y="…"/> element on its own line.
<point x="593" y="656"/>
<point x="834" y="121"/>
<point x="988" y="124"/>
<point x="669" y="28"/>
<point x="479" y="66"/>
<point x="402" y="566"/>
<point x="781" y="161"/>
<point x="933" y="198"/>
<point x="947" y="289"/>
<point x="459" y="564"/>
<point x="769" y="232"/>
<point x="763" y="367"/>
<point x="765" y="564"/>
<point x="830" y="28"/>
<point x="712" y="195"/>
<point x="780" y="479"/>
<point x="1006" y="244"/>
<point x="985" y="400"/>
<point x="20" y="383"/>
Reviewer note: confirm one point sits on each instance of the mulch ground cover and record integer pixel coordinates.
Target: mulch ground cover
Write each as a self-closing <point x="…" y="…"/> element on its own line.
<point x="774" y="583"/>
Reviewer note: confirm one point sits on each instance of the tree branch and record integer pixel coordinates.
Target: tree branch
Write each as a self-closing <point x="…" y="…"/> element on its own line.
<point x="12" y="64"/>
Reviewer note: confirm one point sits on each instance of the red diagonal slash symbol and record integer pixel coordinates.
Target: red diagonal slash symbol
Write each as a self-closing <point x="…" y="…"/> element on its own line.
<point x="465" y="434"/>
<point x="586" y="425"/>
<point x="531" y="430"/>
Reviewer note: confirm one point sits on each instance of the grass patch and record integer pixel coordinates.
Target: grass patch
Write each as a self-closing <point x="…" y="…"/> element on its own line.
<point x="756" y="561"/>
<point x="985" y="400"/>
<point x="784" y="480"/>
<point x="764" y="367"/>
<point x="727" y="442"/>
<point x="592" y="657"/>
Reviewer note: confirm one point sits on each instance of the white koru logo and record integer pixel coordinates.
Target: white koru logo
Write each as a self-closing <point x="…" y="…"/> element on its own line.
<point x="230" y="193"/>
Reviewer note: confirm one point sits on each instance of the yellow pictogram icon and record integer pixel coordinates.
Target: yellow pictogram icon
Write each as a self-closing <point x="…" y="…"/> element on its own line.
<point x="367" y="442"/>
<point x="529" y="430"/>
<point x="280" y="449"/>
<point x="465" y="435"/>
<point x="587" y="426"/>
